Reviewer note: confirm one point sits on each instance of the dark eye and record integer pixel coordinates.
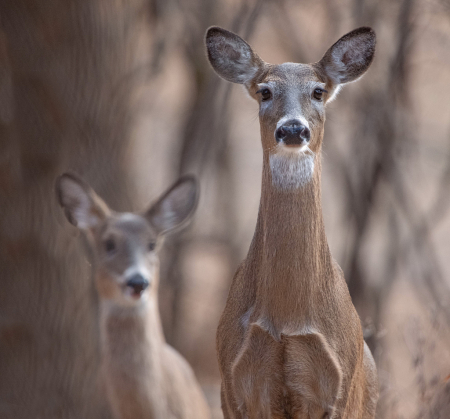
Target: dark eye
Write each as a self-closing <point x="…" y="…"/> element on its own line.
<point x="266" y="94"/>
<point x="151" y="246"/>
<point x="318" y="93"/>
<point x="110" y="246"/>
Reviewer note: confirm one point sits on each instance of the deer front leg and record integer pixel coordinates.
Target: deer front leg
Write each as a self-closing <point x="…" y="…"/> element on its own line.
<point x="370" y="371"/>
<point x="224" y="404"/>
<point x="257" y="376"/>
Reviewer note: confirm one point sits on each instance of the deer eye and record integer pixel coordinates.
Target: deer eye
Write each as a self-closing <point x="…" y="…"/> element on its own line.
<point x="151" y="246"/>
<point x="110" y="246"/>
<point x="318" y="93"/>
<point x="266" y="94"/>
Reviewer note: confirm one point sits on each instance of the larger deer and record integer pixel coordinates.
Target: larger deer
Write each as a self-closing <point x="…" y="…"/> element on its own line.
<point x="144" y="377"/>
<point x="290" y="342"/>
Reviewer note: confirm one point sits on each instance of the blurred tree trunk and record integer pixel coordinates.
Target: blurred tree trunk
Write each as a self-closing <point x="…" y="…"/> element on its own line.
<point x="205" y="147"/>
<point x="65" y="104"/>
<point x="385" y="120"/>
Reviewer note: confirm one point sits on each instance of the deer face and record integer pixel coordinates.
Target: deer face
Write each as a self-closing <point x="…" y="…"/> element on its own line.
<point x="125" y="244"/>
<point x="126" y="255"/>
<point x="291" y="97"/>
<point x="291" y="107"/>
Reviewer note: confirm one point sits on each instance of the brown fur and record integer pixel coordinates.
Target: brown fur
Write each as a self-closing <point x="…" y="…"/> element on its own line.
<point x="289" y="342"/>
<point x="144" y="377"/>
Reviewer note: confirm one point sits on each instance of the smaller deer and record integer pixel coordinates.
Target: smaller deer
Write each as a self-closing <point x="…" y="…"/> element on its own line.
<point x="143" y="375"/>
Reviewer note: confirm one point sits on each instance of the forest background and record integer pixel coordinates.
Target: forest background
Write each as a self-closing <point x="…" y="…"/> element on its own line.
<point x="121" y="93"/>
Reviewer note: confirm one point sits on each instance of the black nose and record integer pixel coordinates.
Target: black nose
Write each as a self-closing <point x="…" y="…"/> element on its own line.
<point x="292" y="132"/>
<point x="138" y="283"/>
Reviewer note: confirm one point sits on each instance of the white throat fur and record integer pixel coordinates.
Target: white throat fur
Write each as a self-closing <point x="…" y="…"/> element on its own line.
<point x="291" y="170"/>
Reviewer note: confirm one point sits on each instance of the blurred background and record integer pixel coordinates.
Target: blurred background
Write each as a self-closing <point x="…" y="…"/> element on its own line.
<point x="121" y="93"/>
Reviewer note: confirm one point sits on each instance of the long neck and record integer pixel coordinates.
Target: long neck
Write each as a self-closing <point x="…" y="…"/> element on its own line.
<point x="132" y="343"/>
<point x="130" y="329"/>
<point x="289" y="250"/>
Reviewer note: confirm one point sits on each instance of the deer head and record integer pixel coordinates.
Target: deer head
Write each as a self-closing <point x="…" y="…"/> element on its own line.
<point x="291" y="97"/>
<point x="125" y="244"/>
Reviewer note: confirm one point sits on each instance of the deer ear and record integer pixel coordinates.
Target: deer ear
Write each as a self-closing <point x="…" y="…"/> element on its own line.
<point x="82" y="206"/>
<point x="350" y="57"/>
<point x="175" y="206"/>
<point x="231" y="57"/>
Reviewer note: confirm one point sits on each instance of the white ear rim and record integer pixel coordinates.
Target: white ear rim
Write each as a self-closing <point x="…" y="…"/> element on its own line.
<point x="335" y="93"/>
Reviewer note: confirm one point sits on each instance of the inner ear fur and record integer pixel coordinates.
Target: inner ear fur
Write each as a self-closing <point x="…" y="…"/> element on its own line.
<point x="231" y="57"/>
<point x="82" y="206"/>
<point x="350" y="57"/>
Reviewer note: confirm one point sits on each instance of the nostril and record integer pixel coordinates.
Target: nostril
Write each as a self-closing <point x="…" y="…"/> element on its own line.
<point x="293" y="133"/>
<point x="305" y="134"/>
<point x="281" y="134"/>
<point x="138" y="283"/>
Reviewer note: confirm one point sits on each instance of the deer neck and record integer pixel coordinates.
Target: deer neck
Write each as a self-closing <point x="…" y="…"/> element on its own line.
<point x="289" y="251"/>
<point x="132" y="343"/>
<point x="140" y="324"/>
<point x="131" y="340"/>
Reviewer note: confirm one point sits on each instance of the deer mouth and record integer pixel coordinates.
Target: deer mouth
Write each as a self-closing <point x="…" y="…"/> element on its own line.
<point x="136" y="294"/>
<point x="294" y="146"/>
<point x="293" y="150"/>
<point x="133" y="294"/>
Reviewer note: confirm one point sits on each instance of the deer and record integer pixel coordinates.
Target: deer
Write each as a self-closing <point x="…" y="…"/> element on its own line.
<point x="289" y="341"/>
<point x="143" y="376"/>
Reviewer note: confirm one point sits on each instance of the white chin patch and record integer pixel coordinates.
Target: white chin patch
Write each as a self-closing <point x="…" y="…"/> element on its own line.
<point x="291" y="169"/>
